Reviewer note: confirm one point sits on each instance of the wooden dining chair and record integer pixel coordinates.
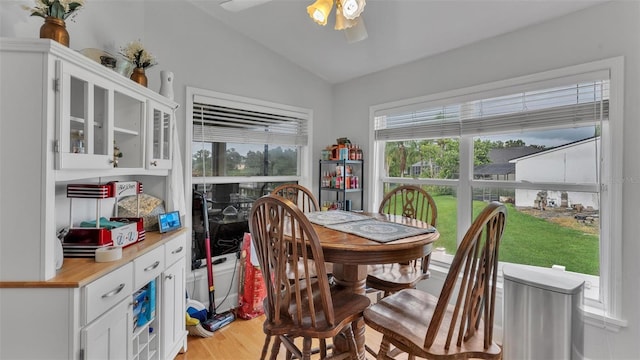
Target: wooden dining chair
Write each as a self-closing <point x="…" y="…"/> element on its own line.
<point x="412" y="202"/>
<point x="299" y="195"/>
<point x="459" y="323"/>
<point x="305" y="201"/>
<point x="304" y="306"/>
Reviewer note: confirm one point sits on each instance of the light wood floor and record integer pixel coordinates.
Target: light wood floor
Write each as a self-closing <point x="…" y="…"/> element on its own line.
<point x="243" y="339"/>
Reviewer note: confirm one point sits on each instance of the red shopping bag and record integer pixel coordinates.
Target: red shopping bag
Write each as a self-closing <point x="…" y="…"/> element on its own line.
<point x="252" y="290"/>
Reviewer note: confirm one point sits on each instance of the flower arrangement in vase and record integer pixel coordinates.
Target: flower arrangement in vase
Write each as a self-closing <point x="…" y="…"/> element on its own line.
<point x="141" y="59"/>
<point x="54" y="13"/>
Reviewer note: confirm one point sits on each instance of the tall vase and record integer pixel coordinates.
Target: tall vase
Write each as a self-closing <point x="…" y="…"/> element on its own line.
<point x="166" y="84"/>
<point x="139" y="76"/>
<point x="55" y="29"/>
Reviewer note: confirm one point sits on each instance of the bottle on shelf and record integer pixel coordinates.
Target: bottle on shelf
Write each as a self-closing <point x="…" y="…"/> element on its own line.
<point x="359" y="154"/>
<point x="352" y="152"/>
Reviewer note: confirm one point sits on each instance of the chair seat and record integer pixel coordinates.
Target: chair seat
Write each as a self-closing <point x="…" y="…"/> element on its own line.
<point x="404" y="317"/>
<point x="347" y="307"/>
<point x="394" y="277"/>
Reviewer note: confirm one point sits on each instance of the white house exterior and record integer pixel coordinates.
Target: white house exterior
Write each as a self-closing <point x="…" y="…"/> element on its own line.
<point x="574" y="163"/>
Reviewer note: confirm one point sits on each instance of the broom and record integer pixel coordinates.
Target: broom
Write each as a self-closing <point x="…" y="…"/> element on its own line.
<point x="195" y="328"/>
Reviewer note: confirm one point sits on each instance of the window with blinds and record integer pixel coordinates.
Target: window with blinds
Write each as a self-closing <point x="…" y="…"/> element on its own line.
<point x="241" y="137"/>
<point x="571" y="105"/>
<point x="543" y="147"/>
<point x="215" y="120"/>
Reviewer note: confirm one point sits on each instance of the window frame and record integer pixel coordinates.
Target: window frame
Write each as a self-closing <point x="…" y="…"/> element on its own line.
<point x="608" y="306"/>
<point x="305" y="162"/>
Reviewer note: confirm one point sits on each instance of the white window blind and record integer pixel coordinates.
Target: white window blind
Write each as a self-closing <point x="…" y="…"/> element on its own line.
<point x="575" y="104"/>
<point x="220" y="120"/>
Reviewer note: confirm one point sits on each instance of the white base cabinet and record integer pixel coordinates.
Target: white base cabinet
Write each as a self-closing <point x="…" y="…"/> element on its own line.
<point x="66" y="318"/>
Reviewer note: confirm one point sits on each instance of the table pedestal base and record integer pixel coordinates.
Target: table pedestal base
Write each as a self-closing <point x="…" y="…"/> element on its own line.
<point x="354" y="277"/>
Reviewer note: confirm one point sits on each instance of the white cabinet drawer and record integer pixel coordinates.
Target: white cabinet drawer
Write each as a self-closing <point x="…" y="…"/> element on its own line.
<point x="105" y="292"/>
<point x="148" y="266"/>
<point x="175" y="249"/>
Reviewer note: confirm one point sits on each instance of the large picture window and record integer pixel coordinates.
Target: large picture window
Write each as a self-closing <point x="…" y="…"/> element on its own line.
<point x="546" y="145"/>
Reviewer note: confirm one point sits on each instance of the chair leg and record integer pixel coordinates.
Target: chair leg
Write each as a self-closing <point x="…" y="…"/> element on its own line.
<point x="306" y="348"/>
<point x="351" y="341"/>
<point x="265" y="347"/>
<point x="323" y="348"/>
<point x="384" y="349"/>
<point x="275" y="348"/>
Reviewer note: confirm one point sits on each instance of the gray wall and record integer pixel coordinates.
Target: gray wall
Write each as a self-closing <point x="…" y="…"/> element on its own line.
<point x="607" y="30"/>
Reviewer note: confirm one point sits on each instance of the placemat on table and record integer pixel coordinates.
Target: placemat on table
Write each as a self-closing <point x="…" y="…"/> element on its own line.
<point x="334" y="217"/>
<point x="380" y="231"/>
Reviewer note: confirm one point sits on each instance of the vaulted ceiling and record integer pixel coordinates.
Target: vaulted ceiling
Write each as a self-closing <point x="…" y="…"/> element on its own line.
<point x="399" y="31"/>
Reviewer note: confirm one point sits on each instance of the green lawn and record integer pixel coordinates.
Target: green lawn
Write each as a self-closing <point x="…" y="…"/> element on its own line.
<point x="527" y="239"/>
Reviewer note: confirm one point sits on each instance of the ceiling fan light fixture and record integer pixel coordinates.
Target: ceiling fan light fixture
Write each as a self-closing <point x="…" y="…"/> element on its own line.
<point x="357" y="32"/>
<point x="342" y="22"/>
<point x="351" y="9"/>
<point x="319" y="11"/>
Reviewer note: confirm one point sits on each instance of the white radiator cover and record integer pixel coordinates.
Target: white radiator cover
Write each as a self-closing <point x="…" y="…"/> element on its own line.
<point x="225" y="281"/>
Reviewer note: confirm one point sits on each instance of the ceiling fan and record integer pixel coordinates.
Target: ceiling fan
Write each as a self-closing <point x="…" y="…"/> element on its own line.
<point x="347" y="14"/>
<point x="239" y="5"/>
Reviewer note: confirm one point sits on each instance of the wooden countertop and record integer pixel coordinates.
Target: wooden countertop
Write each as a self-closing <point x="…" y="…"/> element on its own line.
<point x="77" y="272"/>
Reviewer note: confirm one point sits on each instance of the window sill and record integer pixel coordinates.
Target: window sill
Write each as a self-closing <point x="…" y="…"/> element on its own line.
<point x="593" y="316"/>
<point x="597" y="318"/>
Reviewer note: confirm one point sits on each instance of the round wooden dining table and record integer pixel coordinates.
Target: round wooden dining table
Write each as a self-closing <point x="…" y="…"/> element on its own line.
<point x="351" y="254"/>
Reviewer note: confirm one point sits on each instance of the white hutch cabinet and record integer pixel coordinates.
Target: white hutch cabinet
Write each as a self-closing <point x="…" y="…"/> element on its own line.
<point x="61" y="117"/>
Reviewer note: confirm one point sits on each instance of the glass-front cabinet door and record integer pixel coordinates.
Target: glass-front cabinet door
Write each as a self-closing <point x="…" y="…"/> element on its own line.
<point x="128" y="130"/>
<point x="159" y="136"/>
<point x="99" y="125"/>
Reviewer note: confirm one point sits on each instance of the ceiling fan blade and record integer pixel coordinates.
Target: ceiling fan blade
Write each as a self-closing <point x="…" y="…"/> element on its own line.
<point x="239" y="5"/>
